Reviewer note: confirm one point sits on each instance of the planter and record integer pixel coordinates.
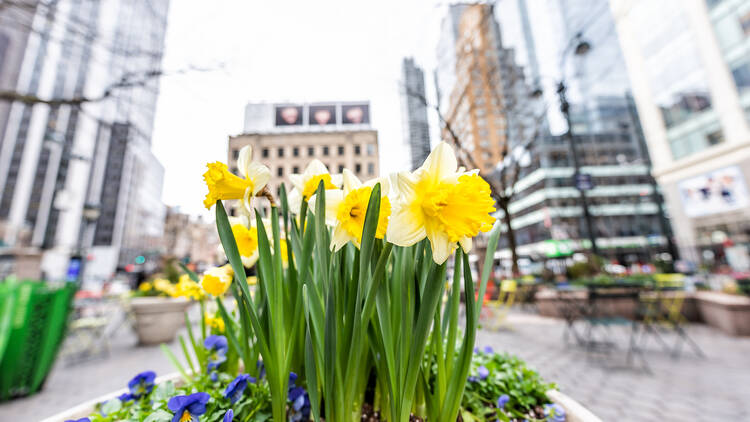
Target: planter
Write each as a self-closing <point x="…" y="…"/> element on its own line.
<point x="729" y="313"/>
<point x="574" y="411"/>
<point x="157" y="319"/>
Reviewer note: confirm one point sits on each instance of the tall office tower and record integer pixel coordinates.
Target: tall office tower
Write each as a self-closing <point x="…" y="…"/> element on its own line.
<point x="414" y="112"/>
<point x="475" y="80"/>
<point x="84" y="152"/>
<point x="689" y="63"/>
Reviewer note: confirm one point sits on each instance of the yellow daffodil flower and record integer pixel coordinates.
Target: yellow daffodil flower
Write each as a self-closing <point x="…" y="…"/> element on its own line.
<point x="246" y="236"/>
<point x="441" y="202"/>
<point x="216" y="281"/>
<point x="188" y="288"/>
<point x="145" y="286"/>
<point x="222" y="184"/>
<point x="306" y="184"/>
<point x="164" y="286"/>
<point x="215" y="322"/>
<point x="346" y="209"/>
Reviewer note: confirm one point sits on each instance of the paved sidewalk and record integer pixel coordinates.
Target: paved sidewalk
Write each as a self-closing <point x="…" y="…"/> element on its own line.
<point x="687" y="389"/>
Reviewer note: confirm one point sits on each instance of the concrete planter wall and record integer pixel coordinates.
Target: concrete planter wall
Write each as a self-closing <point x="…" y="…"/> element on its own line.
<point x="574" y="411"/>
<point x="157" y="319"/>
<point x="729" y="313"/>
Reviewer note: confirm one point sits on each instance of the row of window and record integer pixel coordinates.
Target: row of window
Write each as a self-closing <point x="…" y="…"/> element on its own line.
<point x="358" y="169"/>
<point x="311" y="151"/>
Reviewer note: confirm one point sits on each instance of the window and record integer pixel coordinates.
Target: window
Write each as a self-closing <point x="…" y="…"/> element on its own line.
<point x="280" y="171"/>
<point x="358" y="168"/>
<point x="295" y="170"/>
<point x="295" y="151"/>
<point x="370" y="169"/>
<point x="265" y="152"/>
<point x="281" y="151"/>
<point x="310" y="151"/>
<point x="357" y="150"/>
<point x="235" y="153"/>
<point x="715" y="138"/>
<point x="234" y="170"/>
<point x="370" y="149"/>
<point x="741" y="75"/>
<point x="341" y="168"/>
<point x="325" y="151"/>
<point x="341" y="150"/>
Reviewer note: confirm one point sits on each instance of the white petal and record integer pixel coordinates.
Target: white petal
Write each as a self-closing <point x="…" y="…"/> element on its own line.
<point x="385" y="185"/>
<point x="244" y="159"/>
<point x="259" y="174"/>
<point x="351" y="181"/>
<point x="295" y="200"/>
<point x="297" y="182"/>
<point x="442" y="247"/>
<point x="340" y="238"/>
<point x="404" y="229"/>
<point x="315" y="168"/>
<point x="441" y="162"/>
<point x="403" y="186"/>
<point x="337" y="180"/>
<point x="466" y="244"/>
<point x="249" y="261"/>
<point x="333" y="199"/>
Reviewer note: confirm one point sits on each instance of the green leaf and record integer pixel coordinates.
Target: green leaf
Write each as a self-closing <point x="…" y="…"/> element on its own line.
<point x="111" y="406"/>
<point x="160" y="415"/>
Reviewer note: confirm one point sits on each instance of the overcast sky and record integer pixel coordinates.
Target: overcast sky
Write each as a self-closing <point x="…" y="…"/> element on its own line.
<point x="281" y="51"/>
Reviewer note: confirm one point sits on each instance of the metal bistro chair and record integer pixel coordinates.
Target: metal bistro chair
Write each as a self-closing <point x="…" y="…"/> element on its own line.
<point x="662" y="311"/>
<point x="505" y="299"/>
<point x="602" y="316"/>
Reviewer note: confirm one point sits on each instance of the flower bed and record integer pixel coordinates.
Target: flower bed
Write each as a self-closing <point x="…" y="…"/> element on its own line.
<point x="355" y="315"/>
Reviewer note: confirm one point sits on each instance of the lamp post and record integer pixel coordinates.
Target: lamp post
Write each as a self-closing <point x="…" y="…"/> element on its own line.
<point x="581" y="47"/>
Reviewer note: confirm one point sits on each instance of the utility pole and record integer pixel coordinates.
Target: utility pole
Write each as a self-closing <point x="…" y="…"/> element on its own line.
<point x="565" y="109"/>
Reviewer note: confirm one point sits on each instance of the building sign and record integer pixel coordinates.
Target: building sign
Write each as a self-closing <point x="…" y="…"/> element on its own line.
<point x="321" y="115"/>
<point x="355" y="114"/>
<point x="288" y="115"/>
<point x="715" y="192"/>
<point x="583" y="181"/>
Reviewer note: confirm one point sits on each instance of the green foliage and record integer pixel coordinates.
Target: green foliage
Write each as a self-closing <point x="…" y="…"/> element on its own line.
<point x="507" y="375"/>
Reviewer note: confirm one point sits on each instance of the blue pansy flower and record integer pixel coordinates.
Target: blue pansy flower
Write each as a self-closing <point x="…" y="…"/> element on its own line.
<point x="553" y="412"/>
<point x="228" y="416"/>
<point x="502" y="401"/>
<point x="142" y="384"/>
<point x="472" y="378"/>
<point x="476" y="350"/>
<point x="188" y="408"/>
<point x="125" y="397"/>
<point x="237" y="387"/>
<point x="488" y="350"/>
<point x="292" y="379"/>
<point x="217" y="350"/>
<point x="483" y="372"/>
<point x="300" y="408"/>
<point x="79" y="420"/>
<point x="213" y="376"/>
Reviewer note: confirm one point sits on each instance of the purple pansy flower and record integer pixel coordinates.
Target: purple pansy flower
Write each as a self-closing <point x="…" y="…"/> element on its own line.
<point x="502" y="401"/>
<point x="142" y="384"/>
<point x="228" y="416"/>
<point x="483" y="372"/>
<point x="217" y="350"/>
<point x="261" y="369"/>
<point x="125" y="397"/>
<point x="79" y="420"/>
<point x="300" y="408"/>
<point x="553" y="412"/>
<point x="488" y="350"/>
<point x="188" y="408"/>
<point x="237" y="387"/>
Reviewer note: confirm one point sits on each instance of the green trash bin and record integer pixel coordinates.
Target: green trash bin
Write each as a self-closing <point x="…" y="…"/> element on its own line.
<point x="37" y="326"/>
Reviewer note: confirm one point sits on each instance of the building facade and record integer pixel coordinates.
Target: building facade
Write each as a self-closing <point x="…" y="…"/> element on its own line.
<point x="689" y="63"/>
<point x="58" y="159"/>
<point x="191" y="240"/>
<point x="414" y="112"/>
<point x="286" y="137"/>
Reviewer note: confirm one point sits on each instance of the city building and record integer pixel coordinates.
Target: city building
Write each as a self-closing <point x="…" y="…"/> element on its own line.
<point x="689" y="64"/>
<point x="546" y="208"/>
<point x="414" y="112"/>
<point x="473" y="73"/>
<point x="191" y="240"/>
<point x="285" y="137"/>
<point x="77" y="171"/>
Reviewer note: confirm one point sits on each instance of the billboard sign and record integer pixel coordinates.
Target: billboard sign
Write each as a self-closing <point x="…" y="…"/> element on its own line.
<point x="355" y="114"/>
<point x="321" y="115"/>
<point x="288" y="115"/>
<point x="715" y="192"/>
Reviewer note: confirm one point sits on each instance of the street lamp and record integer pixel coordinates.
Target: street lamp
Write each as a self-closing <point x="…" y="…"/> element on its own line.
<point x="580" y="48"/>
